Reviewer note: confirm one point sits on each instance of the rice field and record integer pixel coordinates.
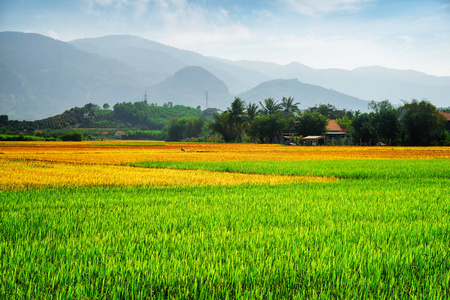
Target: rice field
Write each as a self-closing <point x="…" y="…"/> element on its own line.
<point x="149" y="221"/>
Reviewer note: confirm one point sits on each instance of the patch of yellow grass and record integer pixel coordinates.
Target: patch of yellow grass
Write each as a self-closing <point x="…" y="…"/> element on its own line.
<point x="34" y="174"/>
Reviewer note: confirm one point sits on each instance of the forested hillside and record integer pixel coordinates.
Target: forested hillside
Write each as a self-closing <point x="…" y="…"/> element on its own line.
<point x="140" y="120"/>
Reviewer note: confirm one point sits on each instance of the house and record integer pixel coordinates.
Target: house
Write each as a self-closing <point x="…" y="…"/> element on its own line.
<point x="334" y="133"/>
<point x="447" y="116"/>
<point x="313" y="140"/>
<point x="120" y="134"/>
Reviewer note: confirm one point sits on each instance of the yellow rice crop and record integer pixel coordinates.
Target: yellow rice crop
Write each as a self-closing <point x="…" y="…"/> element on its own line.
<point x="117" y="153"/>
<point x="30" y="174"/>
<point x="74" y="164"/>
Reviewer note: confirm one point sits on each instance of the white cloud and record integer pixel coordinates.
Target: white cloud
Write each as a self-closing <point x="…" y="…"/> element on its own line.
<point x="141" y="7"/>
<point x="108" y="2"/>
<point x="53" y="34"/>
<point x="316" y="7"/>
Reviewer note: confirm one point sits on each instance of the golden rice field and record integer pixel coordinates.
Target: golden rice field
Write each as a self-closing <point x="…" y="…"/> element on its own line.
<point x="75" y="164"/>
<point x="121" y="152"/>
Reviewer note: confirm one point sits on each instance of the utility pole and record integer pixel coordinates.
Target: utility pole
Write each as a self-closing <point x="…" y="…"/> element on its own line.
<point x="206" y="99"/>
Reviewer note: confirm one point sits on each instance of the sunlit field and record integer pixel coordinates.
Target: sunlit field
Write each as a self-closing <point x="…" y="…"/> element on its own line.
<point x="145" y="220"/>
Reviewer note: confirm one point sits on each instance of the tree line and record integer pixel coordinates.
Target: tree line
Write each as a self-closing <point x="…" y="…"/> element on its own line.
<point x="415" y="123"/>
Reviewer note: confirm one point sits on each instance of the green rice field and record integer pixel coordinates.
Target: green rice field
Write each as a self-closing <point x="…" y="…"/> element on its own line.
<point x="381" y="230"/>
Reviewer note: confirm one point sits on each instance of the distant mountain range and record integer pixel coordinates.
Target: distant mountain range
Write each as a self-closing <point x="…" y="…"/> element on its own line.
<point x="41" y="77"/>
<point x="314" y="94"/>
<point x="371" y="83"/>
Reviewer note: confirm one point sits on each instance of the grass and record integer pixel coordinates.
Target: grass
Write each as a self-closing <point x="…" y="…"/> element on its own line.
<point x="381" y="231"/>
<point x="345" y="169"/>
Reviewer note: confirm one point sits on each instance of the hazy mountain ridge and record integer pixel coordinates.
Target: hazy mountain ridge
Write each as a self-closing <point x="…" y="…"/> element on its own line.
<point x="308" y="95"/>
<point x="171" y="60"/>
<point x="41" y="77"/>
<point x="372" y="83"/>
<point x="188" y="87"/>
<point x="51" y="76"/>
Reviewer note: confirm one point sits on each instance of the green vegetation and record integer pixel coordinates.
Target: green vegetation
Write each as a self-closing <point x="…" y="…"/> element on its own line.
<point x="21" y="137"/>
<point x="74" y="136"/>
<point x="418" y="123"/>
<point x="381" y="231"/>
<point x="152" y="116"/>
<point x="139" y="120"/>
<point x="188" y="128"/>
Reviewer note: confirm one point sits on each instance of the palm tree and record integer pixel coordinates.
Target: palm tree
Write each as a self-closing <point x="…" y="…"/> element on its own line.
<point x="289" y="107"/>
<point x="237" y="119"/>
<point x="237" y="110"/>
<point x="270" y="106"/>
<point x="220" y="126"/>
<point x="252" y="111"/>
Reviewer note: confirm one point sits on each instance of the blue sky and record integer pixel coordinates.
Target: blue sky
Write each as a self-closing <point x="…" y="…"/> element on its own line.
<point x="320" y="33"/>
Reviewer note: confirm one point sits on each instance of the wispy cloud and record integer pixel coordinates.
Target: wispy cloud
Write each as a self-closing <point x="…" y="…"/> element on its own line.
<point x="194" y="27"/>
<point x="317" y="7"/>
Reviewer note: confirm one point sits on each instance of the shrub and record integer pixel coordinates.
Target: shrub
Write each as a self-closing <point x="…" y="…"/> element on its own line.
<point x="74" y="136"/>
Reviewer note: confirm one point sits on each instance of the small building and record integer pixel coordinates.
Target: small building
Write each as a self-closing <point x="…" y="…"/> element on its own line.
<point x="287" y="136"/>
<point x="313" y="140"/>
<point x="334" y="133"/>
<point x="120" y="134"/>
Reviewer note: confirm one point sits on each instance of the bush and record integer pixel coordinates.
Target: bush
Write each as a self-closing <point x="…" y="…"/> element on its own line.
<point x="74" y="136"/>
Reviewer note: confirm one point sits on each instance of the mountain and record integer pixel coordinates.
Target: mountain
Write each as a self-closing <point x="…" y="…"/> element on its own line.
<point x="189" y="85"/>
<point x="308" y="95"/>
<point x="159" y="61"/>
<point x="41" y="77"/>
<point x="374" y="83"/>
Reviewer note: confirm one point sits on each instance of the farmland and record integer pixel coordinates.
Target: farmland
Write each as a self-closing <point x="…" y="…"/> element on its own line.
<point x="147" y="220"/>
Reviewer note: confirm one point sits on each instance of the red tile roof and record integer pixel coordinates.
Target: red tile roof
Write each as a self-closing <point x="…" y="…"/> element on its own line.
<point x="445" y="114"/>
<point x="333" y="126"/>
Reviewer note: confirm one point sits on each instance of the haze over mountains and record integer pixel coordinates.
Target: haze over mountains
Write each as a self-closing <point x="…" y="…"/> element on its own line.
<point x="40" y="77"/>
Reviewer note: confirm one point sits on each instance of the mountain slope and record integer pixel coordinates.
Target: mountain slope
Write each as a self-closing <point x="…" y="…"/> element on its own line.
<point x="308" y="95"/>
<point x="374" y="83"/>
<point x="160" y="60"/>
<point x="43" y="77"/>
<point x="188" y="86"/>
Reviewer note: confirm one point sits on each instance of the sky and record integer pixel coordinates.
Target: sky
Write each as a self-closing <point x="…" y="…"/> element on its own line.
<point x="346" y="34"/>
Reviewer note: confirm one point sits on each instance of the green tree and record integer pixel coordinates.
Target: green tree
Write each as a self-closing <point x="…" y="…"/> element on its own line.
<point x="311" y="124"/>
<point x="421" y="123"/>
<point x="385" y="121"/>
<point x="175" y="130"/>
<point x="269" y="128"/>
<point x="237" y="119"/>
<point x="3" y="120"/>
<point x="270" y="107"/>
<point x="208" y="113"/>
<point x="221" y="126"/>
<point x="330" y="111"/>
<point x="363" y="131"/>
<point x="186" y="128"/>
<point x="344" y="122"/>
<point x="252" y="111"/>
<point x="106" y="106"/>
<point x="289" y="106"/>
